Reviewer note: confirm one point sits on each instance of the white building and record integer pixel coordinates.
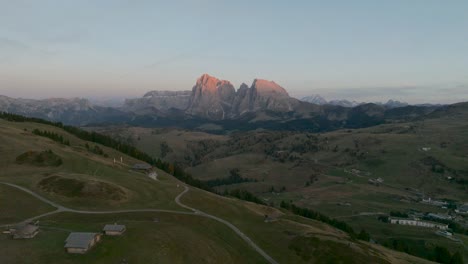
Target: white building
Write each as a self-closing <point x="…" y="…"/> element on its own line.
<point x="411" y="222"/>
<point x="462" y="209"/>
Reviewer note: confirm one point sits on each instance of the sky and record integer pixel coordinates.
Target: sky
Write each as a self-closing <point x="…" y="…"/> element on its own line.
<point x="375" y="50"/>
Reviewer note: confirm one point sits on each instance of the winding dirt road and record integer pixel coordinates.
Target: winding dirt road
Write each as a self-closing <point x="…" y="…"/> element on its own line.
<point x="194" y="211"/>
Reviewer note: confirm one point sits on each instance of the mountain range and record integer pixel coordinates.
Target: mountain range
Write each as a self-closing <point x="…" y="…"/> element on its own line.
<point x="215" y="99"/>
<point x="319" y="100"/>
<point x="263" y="104"/>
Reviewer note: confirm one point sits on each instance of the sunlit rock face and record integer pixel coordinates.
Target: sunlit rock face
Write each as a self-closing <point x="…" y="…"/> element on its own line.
<point x="217" y="99"/>
<point x="211" y="98"/>
<point x="267" y="95"/>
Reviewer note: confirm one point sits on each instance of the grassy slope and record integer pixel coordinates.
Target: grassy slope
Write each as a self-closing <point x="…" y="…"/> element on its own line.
<point x="81" y="164"/>
<point x="392" y="152"/>
<point x="16" y="205"/>
<point x="176" y="239"/>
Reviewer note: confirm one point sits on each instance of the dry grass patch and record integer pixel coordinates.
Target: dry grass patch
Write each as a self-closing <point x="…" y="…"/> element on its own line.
<point x="73" y="188"/>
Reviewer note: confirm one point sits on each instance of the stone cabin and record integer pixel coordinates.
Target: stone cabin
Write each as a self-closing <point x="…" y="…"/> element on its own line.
<point x="142" y="167"/>
<point x="80" y="243"/>
<point x="114" y="230"/>
<point x="24" y="231"/>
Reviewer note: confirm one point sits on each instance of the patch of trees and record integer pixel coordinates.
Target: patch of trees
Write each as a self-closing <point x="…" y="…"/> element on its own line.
<point x="308" y="213"/>
<point x="199" y="149"/>
<point x="305" y="146"/>
<point x="398" y="214"/>
<point x="439" y="254"/>
<point x="165" y="149"/>
<point x="54" y="136"/>
<point x="96" y="150"/>
<point x="363" y="235"/>
<point x="279" y="190"/>
<point x="233" y="178"/>
<point x="312" y="178"/>
<point x="454" y="226"/>
<point x="244" y="195"/>
<point x="383" y="218"/>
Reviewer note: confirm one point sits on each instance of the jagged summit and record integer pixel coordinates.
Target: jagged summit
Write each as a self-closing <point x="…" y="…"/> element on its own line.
<point x="265" y="87"/>
<point x="216" y="99"/>
<point x="210" y="83"/>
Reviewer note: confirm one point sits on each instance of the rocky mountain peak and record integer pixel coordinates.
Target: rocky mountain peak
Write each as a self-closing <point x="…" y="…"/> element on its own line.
<point x="265" y="87"/>
<point x="243" y="86"/>
<point x="207" y="82"/>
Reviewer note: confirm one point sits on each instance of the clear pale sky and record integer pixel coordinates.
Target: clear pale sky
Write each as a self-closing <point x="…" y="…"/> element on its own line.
<point x="411" y="50"/>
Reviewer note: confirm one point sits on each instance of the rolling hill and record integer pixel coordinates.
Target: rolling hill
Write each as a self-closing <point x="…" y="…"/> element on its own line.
<point x="88" y="189"/>
<point x="335" y="172"/>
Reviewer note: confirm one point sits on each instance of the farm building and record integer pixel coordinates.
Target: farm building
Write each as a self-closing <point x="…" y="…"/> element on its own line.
<point x="114" y="230"/>
<point x="462" y="209"/>
<point x="81" y="242"/>
<point x="412" y="222"/>
<point x="143" y="167"/>
<point x="24" y="231"/>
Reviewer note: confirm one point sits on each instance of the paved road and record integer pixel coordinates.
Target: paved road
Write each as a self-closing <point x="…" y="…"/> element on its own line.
<point x="194" y="211"/>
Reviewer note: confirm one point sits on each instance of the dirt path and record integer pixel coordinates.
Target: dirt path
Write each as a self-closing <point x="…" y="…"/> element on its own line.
<point x="194" y="211"/>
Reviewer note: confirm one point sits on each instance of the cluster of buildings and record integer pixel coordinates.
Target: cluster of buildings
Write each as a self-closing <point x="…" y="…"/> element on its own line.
<point x="416" y="222"/>
<point x="463" y="210"/>
<point x="76" y="242"/>
<point x="81" y="242"/>
<point x="434" y="202"/>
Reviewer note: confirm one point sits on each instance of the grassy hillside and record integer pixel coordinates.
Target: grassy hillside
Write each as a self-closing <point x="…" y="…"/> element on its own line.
<point x="330" y="172"/>
<point x="88" y="181"/>
<point x="16" y="205"/>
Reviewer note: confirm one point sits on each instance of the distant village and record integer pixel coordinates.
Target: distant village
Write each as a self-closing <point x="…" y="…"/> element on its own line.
<point x="454" y="220"/>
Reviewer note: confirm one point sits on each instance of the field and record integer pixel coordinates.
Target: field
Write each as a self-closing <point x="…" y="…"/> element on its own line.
<point x="88" y="181"/>
<point x="170" y="240"/>
<point x="16" y="205"/>
<point x="330" y="172"/>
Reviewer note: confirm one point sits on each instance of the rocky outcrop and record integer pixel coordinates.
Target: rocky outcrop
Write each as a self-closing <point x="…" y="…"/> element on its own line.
<point x="267" y="95"/>
<point x="211" y="98"/>
<point x="218" y="100"/>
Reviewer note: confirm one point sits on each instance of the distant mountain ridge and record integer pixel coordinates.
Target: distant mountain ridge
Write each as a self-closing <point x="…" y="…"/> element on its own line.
<point x="77" y="111"/>
<point x="319" y="100"/>
<point x="265" y="104"/>
<point x="216" y="99"/>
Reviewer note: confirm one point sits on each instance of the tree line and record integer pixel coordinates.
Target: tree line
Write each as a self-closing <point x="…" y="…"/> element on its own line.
<point x="233" y="178"/>
<point x="54" y="136"/>
<point x="311" y="214"/>
<point x="438" y="253"/>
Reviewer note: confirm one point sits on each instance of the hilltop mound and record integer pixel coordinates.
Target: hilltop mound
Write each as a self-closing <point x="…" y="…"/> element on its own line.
<point x="42" y="159"/>
<point x="74" y="188"/>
